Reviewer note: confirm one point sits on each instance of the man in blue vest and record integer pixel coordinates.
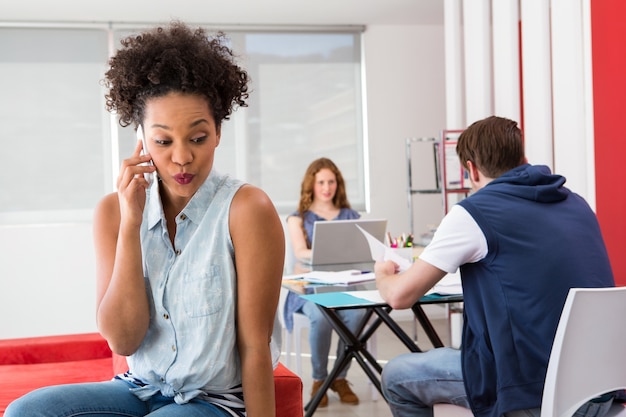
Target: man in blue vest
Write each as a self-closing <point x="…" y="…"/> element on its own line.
<point x="521" y="240"/>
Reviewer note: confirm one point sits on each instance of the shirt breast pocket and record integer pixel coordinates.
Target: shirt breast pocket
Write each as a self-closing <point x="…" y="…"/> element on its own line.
<point x="204" y="293"/>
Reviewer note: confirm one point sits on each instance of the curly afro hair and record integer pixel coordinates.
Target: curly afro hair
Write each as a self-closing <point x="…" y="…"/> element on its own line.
<point x="174" y="59"/>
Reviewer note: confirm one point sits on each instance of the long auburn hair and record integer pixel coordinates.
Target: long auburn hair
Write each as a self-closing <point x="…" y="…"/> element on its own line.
<point x="340" y="199"/>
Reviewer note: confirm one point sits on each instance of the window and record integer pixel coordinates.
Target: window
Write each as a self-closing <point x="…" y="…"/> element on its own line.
<point x="61" y="152"/>
<point x="51" y="123"/>
<point x="305" y="103"/>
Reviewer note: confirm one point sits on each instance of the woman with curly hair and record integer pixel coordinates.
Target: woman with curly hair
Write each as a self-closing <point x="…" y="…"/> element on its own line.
<point x="322" y="198"/>
<point x="188" y="265"/>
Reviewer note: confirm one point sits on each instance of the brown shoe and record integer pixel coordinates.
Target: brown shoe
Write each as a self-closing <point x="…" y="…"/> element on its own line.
<point x="316" y="387"/>
<point x="341" y="387"/>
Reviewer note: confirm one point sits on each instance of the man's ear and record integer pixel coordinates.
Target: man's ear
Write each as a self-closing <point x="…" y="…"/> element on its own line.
<point x="473" y="171"/>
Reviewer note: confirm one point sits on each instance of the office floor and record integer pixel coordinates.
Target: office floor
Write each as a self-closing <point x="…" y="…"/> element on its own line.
<point x="388" y="346"/>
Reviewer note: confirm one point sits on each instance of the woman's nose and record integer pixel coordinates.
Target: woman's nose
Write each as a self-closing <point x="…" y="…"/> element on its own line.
<point x="181" y="155"/>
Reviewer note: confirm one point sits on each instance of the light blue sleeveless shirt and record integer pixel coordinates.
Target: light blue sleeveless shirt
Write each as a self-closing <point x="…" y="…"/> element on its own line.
<point x="190" y="348"/>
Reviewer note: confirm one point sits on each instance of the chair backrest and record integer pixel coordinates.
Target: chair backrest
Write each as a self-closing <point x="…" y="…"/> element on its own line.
<point x="587" y="357"/>
<point x="281" y="306"/>
<point x="290" y="256"/>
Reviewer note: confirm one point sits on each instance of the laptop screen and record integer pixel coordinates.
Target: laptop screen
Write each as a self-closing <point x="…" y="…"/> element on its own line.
<point x="341" y="242"/>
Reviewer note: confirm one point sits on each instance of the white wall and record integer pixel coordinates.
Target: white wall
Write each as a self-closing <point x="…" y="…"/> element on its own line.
<point x="47" y="272"/>
<point x="47" y="280"/>
<point x="405" y="98"/>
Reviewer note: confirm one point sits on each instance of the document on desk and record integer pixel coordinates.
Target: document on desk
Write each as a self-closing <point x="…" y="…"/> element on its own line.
<point x="347" y="277"/>
<point x="381" y="252"/>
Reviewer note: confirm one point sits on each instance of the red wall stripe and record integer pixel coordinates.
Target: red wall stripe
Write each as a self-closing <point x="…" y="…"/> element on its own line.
<point x="608" y="38"/>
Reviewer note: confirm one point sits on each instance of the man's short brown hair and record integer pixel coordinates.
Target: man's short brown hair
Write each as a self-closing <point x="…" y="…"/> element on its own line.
<point x="494" y="145"/>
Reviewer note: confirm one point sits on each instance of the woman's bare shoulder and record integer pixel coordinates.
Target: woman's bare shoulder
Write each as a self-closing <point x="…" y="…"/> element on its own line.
<point x="249" y="197"/>
<point x="108" y="210"/>
<point x="252" y="206"/>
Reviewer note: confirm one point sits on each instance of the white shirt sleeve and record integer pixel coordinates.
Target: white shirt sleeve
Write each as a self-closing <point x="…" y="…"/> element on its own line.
<point x="457" y="241"/>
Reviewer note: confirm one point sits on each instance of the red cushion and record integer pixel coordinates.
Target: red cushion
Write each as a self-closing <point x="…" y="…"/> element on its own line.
<point x="17" y="380"/>
<point x="53" y="349"/>
<point x="288" y="393"/>
<point x="30" y="363"/>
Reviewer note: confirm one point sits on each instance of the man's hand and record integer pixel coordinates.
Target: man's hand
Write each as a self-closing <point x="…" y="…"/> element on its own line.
<point x="402" y="290"/>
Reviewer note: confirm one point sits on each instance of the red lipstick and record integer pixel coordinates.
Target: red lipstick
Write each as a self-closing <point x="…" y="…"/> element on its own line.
<point x="183" y="178"/>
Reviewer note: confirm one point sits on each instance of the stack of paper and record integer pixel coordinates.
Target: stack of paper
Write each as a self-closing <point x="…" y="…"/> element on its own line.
<point x="351" y="276"/>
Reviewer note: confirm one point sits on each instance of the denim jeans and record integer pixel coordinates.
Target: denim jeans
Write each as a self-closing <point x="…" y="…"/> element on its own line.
<point x="102" y="399"/>
<point x="320" y="335"/>
<point x="413" y="382"/>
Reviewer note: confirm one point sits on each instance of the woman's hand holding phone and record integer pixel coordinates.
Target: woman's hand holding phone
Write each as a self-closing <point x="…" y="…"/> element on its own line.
<point x="135" y="175"/>
<point x="149" y="176"/>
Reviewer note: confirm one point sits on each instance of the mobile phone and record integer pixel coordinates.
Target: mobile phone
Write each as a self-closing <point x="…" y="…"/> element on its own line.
<point x="149" y="176"/>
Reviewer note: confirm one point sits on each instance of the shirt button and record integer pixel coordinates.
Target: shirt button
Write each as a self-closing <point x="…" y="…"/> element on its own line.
<point x="162" y="379"/>
<point x="177" y="252"/>
<point x="183" y="217"/>
<point x="173" y="348"/>
<point x="166" y="316"/>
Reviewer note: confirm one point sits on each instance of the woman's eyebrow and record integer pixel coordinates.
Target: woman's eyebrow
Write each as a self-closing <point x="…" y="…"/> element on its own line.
<point x="198" y="122"/>
<point x="192" y="124"/>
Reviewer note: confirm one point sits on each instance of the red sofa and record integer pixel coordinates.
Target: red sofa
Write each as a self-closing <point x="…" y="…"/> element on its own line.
<point x="29" y="363"/>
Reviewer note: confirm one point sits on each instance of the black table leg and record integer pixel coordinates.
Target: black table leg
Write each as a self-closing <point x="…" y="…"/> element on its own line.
<point x="427" y="325"/>
<point x="354" y="348"/>
<point x="355" y="344"/>
<point x="383" y="313"/>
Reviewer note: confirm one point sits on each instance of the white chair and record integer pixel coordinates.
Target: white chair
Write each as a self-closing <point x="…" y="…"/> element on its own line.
<point x="300" y="321"/>
<point x="587" y="354"/>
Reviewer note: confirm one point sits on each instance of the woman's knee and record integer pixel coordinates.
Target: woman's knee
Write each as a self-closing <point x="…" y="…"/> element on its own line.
<point x="33" y="404"/>
<point x="352" y="318"/>
<point x="317" y="319"/>
<point x="58" y="400"/>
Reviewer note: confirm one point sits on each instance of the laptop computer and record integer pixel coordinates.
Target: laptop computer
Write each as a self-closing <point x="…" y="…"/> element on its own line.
<point x="339" y="242"/>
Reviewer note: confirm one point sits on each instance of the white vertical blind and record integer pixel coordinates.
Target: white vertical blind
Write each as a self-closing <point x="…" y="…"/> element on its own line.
<point x="553" y="50"/>
<point x="506" y="74"/>
<point x="537" y="86"/>
<point x="569" y="94"/>
<point x="478" y="68"/>
<point x="455" y="113"/>
<point x="587" y="69"/>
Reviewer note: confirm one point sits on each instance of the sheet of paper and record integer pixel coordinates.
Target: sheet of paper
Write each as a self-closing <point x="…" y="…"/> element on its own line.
<point x="351" y="276"/>
<point x="370" y="295"/>
<point x="292" y="277"/>
<point x="380" y="252"/>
